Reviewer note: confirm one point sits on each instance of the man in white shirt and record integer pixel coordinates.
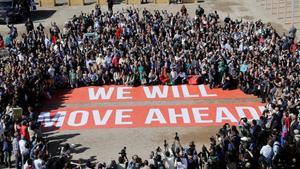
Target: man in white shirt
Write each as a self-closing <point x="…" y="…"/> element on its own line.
<point x="266" y="153"/>
<point x="39" y="163"/>
<point x="169" y="160"/>
<point x="181" y="162"/>
<point x="24" y="151"/>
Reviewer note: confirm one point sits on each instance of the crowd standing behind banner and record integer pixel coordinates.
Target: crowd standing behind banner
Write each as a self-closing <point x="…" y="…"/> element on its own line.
<point x="142" y="48"/>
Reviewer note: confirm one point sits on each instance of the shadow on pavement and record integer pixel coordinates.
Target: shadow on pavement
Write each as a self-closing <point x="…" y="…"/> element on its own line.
<point x="53" y="135"/>
<point x="42" y="14"/>
<point x="57" y="141"/>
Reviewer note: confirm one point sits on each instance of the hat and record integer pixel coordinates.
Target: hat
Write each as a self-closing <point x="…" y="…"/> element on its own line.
<point x="245" y="139"/>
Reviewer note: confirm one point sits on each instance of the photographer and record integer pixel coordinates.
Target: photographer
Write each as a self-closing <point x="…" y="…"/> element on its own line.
<point x="244" y="127"/>
<point x="176" y="146"/>
<point x="122" y="160"/>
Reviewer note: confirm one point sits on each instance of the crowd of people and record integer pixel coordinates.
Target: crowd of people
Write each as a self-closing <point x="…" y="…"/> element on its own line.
<point x="136" y="47"/>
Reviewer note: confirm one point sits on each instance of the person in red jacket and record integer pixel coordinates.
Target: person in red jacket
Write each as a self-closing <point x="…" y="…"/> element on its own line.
<point x="119" y="32"/>
<point x="24" y="131"/>
<point x="164" y="76"/>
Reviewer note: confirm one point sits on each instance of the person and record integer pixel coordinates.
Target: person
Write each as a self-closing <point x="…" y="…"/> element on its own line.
<point x="145" y="165"/>
<point x="29" y="25"/>
<point x="169" y="159"/>
<point x="212" y="76"/>
<point x="255" y="130"/>
<point x="267" y="153"/>
<point x="40" y="27"/>
<point x="24" y="149"/>
<point x="29" y="164"/>
<point x="7" y="149"/>
<point x="181" y="162"/>
<point x="39" y="162"/>
<point x="110" y="4"/>
<point x="13" y="32"/>
<point x="183" y="10"/>
<point x="199" y="11"/>
<point x="16" y="151"/>
<point x="122" y="162"/>
<point x="97" y="10"/>
<point x="24" y="131"/>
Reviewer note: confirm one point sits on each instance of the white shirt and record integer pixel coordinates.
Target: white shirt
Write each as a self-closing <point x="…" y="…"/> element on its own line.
<point x="23" y="149"/>
<point x="182" y="164"/>
<point x="21" y="57"/>
<point x="267" y="151"/>
<point x="51" y="71"/>
<point x="38" y="164"/>
<point x="173" y="75"/>
<point x="169" y="162"/>
<point x="47" y="42"/>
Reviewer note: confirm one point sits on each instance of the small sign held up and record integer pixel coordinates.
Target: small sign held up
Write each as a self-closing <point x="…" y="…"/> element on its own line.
<point x="17" y="113"/>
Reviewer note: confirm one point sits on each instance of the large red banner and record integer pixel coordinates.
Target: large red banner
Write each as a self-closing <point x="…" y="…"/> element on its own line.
<point x="208" y="113"/>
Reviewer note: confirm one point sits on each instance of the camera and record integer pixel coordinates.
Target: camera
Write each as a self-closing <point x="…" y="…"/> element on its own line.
<point x="123" y="152"/>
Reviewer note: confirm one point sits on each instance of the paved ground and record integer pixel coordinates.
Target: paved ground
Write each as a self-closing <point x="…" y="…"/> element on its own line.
<point x="104" y="144"/>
